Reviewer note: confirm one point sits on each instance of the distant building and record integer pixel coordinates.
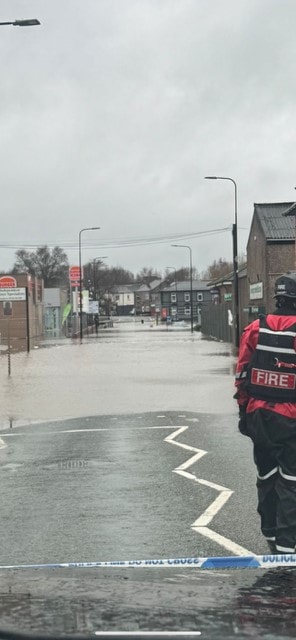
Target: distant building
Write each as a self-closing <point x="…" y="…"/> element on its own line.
<point x="176" y="300"/>
<point x="55" y="301"/>
<point x="145" y="297"/>
<point x="123" y="299"/>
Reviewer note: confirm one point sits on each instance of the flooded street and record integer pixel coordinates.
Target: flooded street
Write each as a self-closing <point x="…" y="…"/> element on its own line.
<point x="126" y="448"/>
<point x="129" y="368"/>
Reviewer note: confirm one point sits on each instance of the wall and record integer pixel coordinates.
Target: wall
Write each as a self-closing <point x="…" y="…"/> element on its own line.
<point x="279" y="258"/>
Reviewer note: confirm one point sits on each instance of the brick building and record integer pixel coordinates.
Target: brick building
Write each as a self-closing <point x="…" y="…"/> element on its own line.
<point x="270" y="252"/>
<point x="14" y="314"/>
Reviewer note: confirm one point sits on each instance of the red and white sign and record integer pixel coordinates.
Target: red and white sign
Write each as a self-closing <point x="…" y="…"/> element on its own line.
<point x="74" y="274"/>
<point x="7" y="282"/>
<point x="273" y="379"/>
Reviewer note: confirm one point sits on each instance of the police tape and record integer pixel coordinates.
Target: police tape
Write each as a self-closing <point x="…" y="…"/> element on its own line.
<point x="218" y="562"/>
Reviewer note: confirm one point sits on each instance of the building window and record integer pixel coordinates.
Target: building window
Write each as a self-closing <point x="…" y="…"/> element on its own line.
<point x="200" y="297"/>
<point x="174" y="311"/>
<point x="187" y="311"/>
<point x="7" y="308"/>
<point x="187" y="297"/>
<point x="39" y="292"/>
<point x="173" y="297"/>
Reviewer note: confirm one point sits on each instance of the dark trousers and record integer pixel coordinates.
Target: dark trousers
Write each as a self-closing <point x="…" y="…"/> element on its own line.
<point x="274" y="438"/>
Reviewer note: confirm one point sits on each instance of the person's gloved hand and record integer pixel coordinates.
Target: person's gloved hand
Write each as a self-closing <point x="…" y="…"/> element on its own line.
<point x="242" y="422"/>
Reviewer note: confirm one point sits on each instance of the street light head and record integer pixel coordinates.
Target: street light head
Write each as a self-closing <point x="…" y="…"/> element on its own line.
<point x="94" y="228"/>
<point x="184" y="246"/>
<point x="32" y="22"/>
<point x="210" y="178"/>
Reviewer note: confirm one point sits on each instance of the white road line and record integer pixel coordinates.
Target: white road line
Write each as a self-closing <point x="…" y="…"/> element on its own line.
<point x="200" y="524"/>
<point x="60" y="431"/>
<point x="211" y="511"/>
<point x="224" y="542"/>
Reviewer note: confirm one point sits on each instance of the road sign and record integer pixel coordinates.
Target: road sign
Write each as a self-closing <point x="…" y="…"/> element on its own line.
<point x="93" y="306"/>
<point x="74" y="274"/>
<point x="7" y="282"/>
<point x="12" y="294"/>
<point x="85" y="301"/>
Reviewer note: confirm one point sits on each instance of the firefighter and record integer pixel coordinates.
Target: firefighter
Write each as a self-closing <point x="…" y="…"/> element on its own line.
<point x="266" y="395"/>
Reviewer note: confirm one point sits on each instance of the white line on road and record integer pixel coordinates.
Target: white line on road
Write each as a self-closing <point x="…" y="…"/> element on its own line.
<point x="200" y="525"/>
<point x="61" y="431"/>
<point x="224" y="542"/>
<point x="211" y="511"/>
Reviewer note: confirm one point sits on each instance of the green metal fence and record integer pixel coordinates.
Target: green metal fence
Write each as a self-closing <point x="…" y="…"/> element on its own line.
<point x="216" y="321"/>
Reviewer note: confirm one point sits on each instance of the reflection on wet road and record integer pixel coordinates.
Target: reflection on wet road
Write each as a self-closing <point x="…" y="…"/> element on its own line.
<point x="218" y="604"/>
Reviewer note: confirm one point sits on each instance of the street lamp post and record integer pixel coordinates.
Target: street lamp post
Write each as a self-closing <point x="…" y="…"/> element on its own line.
<point x="173" y="269"/>
<point x="31" y="22"/>
<point x="80" y="276"/>
<point x="235" y="259"/>
<point x="185" y="246"/>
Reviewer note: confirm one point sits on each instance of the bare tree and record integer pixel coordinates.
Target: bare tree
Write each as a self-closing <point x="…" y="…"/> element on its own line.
<point x="50" y="265"/>
<point x="217" y="269"/>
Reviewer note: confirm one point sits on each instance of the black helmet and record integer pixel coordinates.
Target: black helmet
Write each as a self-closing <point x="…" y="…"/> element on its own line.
<point x="285" y="286"/>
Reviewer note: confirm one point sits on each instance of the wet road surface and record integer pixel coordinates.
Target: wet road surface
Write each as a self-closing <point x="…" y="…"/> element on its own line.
<point x="127" y="447"/>
<point x="238" y="604"/>
<point x="108" y="488"/>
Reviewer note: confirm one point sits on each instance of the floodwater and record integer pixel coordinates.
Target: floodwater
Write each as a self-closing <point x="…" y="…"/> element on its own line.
<point x="131" y="367"/>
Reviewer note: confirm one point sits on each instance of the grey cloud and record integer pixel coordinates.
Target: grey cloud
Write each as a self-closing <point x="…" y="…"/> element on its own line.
<point x="112" y="112"/>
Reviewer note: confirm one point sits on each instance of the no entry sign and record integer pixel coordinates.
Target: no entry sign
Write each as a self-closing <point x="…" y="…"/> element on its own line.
<point x="74" y="274"/>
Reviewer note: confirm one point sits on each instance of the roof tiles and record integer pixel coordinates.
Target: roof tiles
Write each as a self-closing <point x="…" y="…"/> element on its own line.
<point x="275" y="225"/>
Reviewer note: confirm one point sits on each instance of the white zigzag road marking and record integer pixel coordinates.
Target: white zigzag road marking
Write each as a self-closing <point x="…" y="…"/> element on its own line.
<point x="200" y="525"/>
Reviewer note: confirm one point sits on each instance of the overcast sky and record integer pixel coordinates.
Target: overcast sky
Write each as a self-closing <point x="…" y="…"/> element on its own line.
<point x="113" y="111"/>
